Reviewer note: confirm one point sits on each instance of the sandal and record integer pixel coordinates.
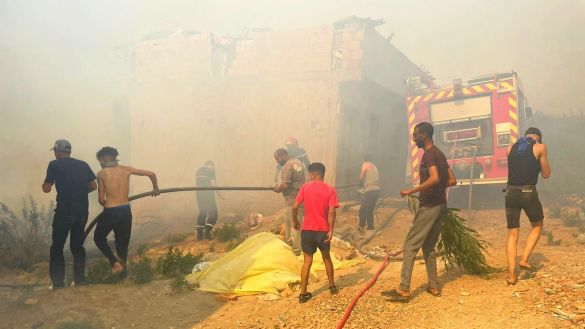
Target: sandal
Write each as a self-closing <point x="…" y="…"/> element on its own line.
<point x="511" y="282"/>
<point x="303" y="298"/>
<point x="396" y="297"/>
<point x="436" y="294"/>
<point x="334" y="290"/>
<point x="526" y="267"/>
<point x="400" y="299"/>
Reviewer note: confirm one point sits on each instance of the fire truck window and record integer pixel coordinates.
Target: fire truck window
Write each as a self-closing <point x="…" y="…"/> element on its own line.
<point x="504" y="139"/>
<point x="465" y="139"/>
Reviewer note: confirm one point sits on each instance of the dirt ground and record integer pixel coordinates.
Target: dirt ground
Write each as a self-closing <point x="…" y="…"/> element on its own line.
<point x="549" y="297"/>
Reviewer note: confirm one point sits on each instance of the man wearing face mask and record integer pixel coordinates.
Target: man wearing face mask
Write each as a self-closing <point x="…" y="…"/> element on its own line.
<point x="73" y="179"/>
<point x="526" y="160"/>
<point x="113" y="189"/>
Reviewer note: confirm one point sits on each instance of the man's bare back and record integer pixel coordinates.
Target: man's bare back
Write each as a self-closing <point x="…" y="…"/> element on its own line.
<point x="114" y="184"/>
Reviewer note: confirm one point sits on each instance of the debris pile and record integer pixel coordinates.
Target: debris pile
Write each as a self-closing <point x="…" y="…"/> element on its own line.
<point x="561" y="291"/>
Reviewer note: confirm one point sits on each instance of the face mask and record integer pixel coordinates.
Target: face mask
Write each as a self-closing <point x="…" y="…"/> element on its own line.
<point x="420" y="144"/>
<point x="108" y="164"/>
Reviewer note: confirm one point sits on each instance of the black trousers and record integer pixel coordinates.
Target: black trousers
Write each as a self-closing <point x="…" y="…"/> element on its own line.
<point x="367" y="208"/>
<point x="207" y="210"/>
<point x="67" y="221"/>
<point x="119" y="220"/>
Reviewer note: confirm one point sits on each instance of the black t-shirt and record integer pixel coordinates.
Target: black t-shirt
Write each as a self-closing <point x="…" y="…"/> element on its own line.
<point x="71" y="178"/>
<point x="204" y="177"/>
<point x="435" y="195"/>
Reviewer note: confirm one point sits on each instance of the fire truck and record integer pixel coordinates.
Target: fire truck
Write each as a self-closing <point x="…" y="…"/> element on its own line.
<point x="475" y="121"/>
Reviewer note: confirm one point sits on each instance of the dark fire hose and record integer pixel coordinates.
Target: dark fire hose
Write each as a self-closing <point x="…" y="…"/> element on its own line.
<point x="195" y="188"/>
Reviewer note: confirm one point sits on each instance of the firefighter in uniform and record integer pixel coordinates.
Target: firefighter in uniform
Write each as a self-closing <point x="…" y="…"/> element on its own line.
<point x="294" y="151"/>
<point x="207" y="218"/>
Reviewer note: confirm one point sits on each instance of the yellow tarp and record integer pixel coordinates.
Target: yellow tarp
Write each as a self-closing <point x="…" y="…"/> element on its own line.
<point x="261" y="264"/>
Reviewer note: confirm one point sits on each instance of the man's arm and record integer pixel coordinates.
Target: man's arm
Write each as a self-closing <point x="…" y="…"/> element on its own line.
<point x="91" y="186"/>
<point x="363" y="173"/>
<point x="101" y="189"/>
<point x="283" y="186"/>
<point x="295" y="215"/>
<point x="452" y="179"/>
<point x="49" y="179"/>
<point x="432" y="181"/>
<point x="331" y="219"/>
<point x="213" y="184"/>
<point x="149" y="174"/>
<point x="47" y="187"/>
<point x="545" y="169"/>
<point x="286" y="179"/>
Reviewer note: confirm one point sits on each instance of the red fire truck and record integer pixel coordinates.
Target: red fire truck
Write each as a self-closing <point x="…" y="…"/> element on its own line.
<point x="475" y="121"/>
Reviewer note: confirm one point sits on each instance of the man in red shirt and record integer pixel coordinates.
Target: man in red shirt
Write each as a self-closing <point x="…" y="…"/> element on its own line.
<point x="320" y="201"/>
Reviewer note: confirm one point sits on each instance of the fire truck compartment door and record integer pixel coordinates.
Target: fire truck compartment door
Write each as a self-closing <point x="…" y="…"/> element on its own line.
<point x="461" y="109"/>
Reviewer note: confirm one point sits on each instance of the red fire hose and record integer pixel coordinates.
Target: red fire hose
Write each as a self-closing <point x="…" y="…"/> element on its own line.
<point x="374" y="278"/>
<point x="360" y="294"/>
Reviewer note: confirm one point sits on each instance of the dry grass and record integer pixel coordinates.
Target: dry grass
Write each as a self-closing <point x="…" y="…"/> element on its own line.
<point x="25" y="239"/>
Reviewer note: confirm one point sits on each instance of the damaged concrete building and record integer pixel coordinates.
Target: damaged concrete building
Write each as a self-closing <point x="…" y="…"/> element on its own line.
<point x="197" y="96"/>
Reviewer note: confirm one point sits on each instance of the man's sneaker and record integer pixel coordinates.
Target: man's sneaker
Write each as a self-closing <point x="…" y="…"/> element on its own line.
<point x="79" y="284"/>
<point x="55" y="287"/>
<point x="199" y="233"/>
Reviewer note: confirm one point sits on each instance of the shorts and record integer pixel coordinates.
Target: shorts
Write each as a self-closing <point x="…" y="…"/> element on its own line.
<point x="517" y="200"/>
<point x="311" y="240"/>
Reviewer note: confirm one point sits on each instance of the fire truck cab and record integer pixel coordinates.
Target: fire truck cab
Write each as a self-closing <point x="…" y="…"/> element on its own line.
<point x="475" y="121"/>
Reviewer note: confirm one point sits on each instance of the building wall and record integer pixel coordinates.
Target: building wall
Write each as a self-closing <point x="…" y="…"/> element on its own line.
<point x="201" y="97"/>
<point x="236" y="123"/>
<point x="385" y="64"/>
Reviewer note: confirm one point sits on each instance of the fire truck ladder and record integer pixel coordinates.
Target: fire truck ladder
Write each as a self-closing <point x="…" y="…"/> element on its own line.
<point x="471" y="172"/>
<point x="470" y="195"/>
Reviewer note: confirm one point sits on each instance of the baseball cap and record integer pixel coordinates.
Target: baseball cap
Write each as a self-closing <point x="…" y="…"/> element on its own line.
<point x="62" y="145"/>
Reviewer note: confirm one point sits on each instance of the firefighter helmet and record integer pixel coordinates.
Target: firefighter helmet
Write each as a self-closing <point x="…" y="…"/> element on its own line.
<point x="291" y="141"/>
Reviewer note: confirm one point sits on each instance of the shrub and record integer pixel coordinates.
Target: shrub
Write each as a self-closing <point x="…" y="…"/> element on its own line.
<point x="227" y="232"/>
<point x="25" y="240"/>
<point x="555" y="211"/>
<point x="141" y="270"/>
<point x="174" y="265"/>
<point x="173" y="262"/>
<point x="571" y="219"/>
<point x="142" y="249"/>
<point x="233" y="244"/>
<point x="101" y="272"/>
<point x="173" y="238"/>
<point x="550" y="239"/>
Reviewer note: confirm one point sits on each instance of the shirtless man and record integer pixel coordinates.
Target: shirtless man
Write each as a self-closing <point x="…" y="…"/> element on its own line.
<point x="113" y="188"/>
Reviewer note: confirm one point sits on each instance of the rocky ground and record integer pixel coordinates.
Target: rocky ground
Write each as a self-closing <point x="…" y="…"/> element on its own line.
<point x="551" y="296"/>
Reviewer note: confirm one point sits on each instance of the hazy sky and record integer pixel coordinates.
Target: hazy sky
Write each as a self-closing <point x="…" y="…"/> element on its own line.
<point x="62" y="63"/>
<point x="48" y="44"/>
